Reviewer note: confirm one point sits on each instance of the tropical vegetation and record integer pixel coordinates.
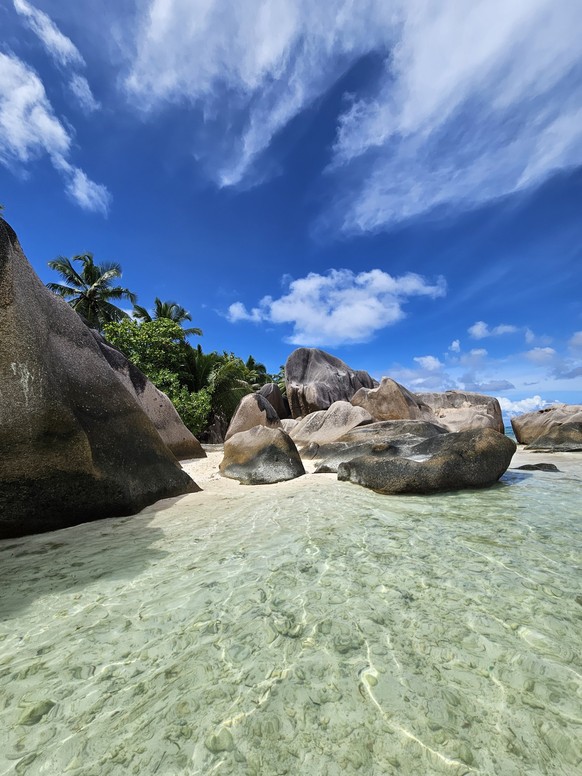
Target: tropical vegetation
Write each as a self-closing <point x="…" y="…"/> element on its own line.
<point x="89" y="288"/>
<point x="205" y="388"/>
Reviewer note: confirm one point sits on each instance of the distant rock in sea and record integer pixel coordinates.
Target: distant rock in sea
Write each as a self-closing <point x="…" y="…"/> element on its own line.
<point x="553" y="429"/>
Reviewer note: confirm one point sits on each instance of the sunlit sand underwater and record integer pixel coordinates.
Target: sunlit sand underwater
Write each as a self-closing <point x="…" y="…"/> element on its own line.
<point x="301" y="629"/>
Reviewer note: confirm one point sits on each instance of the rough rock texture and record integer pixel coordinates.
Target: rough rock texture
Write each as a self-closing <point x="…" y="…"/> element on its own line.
<point x="315" y="380"/>
<point x="467" y="459"/>
<point x="253" y="410"/>
<point x="392" y="401"/>
<point x="74" y="444"/>
<point x="386" y="438"/>
<point x="272" y="393"/>
<point x="153" y="402"/>
<point x="328" y="425"/>
<point x="261" y="456"/>
<point x="556" y="428"/>
<point x="461" y="410"/>
<point x="287" y="424"/>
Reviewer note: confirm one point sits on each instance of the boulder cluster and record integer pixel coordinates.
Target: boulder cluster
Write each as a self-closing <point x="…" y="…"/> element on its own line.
<point x="379" y="435"/>
<point x="554" y="429"/>
<point x="83" y="433"/>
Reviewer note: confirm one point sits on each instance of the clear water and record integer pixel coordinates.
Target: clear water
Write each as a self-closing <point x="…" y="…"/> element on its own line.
<point x="314" y="630"/>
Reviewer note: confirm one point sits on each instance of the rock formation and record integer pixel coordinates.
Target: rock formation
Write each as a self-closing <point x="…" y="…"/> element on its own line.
<point x="454" y="461"/>
<point x="386" y="438"/>
<point x="261" y="456"/>
<point x="556" y="428"/>
<point x="153" y="402"/>
<point x="253" y="410"/>
<point x="392" y="401"/>
<point x="75" y="445"/>
<point x="328" y="425"/>
<point x="461" y="410"/>
<point x="315" y="380"/>
<point x="272" y="393"/>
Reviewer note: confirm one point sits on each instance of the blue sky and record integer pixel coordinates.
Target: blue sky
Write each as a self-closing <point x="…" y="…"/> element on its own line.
<point x="399" y="183"/>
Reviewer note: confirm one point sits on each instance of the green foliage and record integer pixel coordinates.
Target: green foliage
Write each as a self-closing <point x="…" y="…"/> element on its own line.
<point x="90" y="290"/>
<point x="152" y="346"/>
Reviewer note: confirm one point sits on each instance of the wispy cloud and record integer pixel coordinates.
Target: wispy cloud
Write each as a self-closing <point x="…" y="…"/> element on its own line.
<point x="29" y="129"/>
<point x="480" y="330"/>
<point x="60" y="49"/>
<point x="57" y="45"/>
<point x="339" y="307"/>
<point x="531" y="404"/>
<point x="475" y="101"/>
<point x="79" y="86"/>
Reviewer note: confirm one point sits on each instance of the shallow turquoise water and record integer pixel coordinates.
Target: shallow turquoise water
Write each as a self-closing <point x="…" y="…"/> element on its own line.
<point x="314" y="630"/>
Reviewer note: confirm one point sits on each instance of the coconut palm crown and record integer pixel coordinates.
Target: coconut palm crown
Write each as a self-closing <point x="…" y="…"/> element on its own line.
<point x="90" y="290"/>
<point x="171" y="310"/>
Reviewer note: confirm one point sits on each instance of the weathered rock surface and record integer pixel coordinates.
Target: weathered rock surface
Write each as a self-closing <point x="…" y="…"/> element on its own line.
<point x="556" y="428"/>
<point x="287" y="424"/>
<point x="384" y="439"/>
<point x="328" y="425"/>
<point x="261" y="456"/>
<point x="74" y="444"/>
<point x="153" y="402"/>
<point x="392" y="401"/>
<point x="253" y="410"/>
<point x="272" y="393"/>
<point x="466" y="459"/>
<point x="461" y="410"/>
<point x="315" y="380"/>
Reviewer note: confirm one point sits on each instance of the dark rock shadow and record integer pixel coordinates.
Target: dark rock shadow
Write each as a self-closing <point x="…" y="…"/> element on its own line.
<point x="71" y="559"/>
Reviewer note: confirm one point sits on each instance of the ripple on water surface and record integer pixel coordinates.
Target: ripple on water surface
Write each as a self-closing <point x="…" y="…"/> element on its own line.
<point x="321" y="630"/>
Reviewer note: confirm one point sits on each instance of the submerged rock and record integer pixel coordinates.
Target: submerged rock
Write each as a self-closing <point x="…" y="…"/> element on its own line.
<point x="554" y="429"/>
<point x="253" y="410"/>
<point x="315" y="380"/>
<point x="75" y="445"/>
<point x="454" y="461"/>
<point x="261" y="456"/>
<point x="538" y="467"/>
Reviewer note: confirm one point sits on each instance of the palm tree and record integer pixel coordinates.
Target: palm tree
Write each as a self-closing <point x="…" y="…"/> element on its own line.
<point x="90" y="290"/>
<point x="171" y="310"/>
<point x="257" y="372"/>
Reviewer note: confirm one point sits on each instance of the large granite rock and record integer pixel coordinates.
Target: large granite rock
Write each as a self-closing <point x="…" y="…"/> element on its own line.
<point x="557" y="428"/>
<point x="386" y="438"/>
<point x="327" y="425"/>
<point x="272" y="393"/>
<point x="253" y="410"/>
<point x="74" y="444"/>
<point x="461" y="410"/>
<point x="153" y="402"/>
<point x="466" y="459"/>
<point x="392" y="401"/>
<point x="315" y="380"/>
<point x="261" y="456"/>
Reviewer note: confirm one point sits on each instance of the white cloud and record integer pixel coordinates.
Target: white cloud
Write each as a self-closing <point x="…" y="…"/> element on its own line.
<point x="82" y="91"/>
<point x="575" y="342"/>
<point x="58" y="46"/>
<point x="541" y="355"/>
<point x="28" y="124"/>
<point x="430" y="363"/>
<point x="455" y="346"/>
<point x="339" y="307"/>
<point x="531" y="404"/>
<point x="30" y="129"/>
<point x="480" y="330"/>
